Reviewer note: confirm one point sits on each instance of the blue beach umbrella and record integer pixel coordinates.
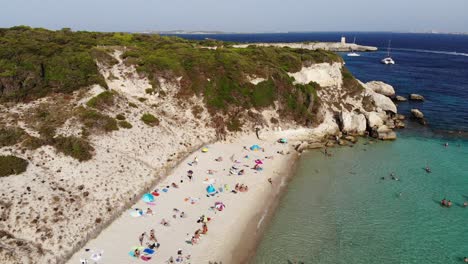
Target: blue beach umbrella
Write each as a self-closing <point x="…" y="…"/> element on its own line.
<point x="147" y="198"/>
<point x="211" y="189"/>
<point x="255" y="147"/>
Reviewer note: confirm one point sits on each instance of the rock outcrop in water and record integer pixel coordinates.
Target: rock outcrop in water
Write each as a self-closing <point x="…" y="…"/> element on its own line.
<point x="419" y="116"/>
<point x="400" y="98"/>
<point x="416" y="97"/>
<point x="381" y="88"/>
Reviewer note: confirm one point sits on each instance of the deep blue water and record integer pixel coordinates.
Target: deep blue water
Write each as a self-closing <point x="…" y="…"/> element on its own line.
<point x="434" y="65"/>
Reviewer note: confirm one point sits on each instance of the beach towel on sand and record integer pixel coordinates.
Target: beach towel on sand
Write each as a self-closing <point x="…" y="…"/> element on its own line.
<point x="149" y="251"/>
<point x="145" y="258"/>
<point x="132" y="252"/>
<point x="136" y="213"/>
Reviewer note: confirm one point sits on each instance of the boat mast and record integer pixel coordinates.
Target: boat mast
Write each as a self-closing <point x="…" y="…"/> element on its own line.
<point x="388" y="49"/>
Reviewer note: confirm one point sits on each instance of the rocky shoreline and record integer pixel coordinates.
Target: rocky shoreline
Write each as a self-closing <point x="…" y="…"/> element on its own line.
<point x="330" y="46"/>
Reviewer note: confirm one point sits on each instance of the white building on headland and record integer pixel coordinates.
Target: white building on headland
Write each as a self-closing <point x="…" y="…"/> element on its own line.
<point x="343" y="40"/>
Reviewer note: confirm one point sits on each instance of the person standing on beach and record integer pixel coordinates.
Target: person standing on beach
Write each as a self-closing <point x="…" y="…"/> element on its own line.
<point x="142" y="237"/>
<point x="257" y="131"/>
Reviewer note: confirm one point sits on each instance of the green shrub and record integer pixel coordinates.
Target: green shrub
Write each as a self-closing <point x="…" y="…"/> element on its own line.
<point x="350" y="84"/>
<point x="102" y="100"/>
<point x="150" y="91"/>
<point x="10" y="165"/>
<point x="75" y="147"/>
<point x="264" y="94"/>
<point x="234" y="125"/>
<point x="33" y="143"/>
<point x="142" y="99"/>
<point x="120" y="117"/>
<point x="92" y="119"/>
<point x="150" y="119"/>
<point x="10" y="136"/>
<point x="132" y="105"/>
<point x="125" y="124"/>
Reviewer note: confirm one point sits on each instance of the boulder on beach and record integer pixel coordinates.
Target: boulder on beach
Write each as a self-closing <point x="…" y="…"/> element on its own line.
<point x="416" y="97"/>
<point x="400" y="98"/>
<point x="384" y="133"/>
<point x="381" y="88"/>
<point x="351" y="139"/>
<point x="417" y="113"/>
<point x="353" y="123"/>
<point x="374" y="120"/>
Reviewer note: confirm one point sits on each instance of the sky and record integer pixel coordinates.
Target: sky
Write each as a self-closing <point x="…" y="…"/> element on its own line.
<point x="238" y="15"/>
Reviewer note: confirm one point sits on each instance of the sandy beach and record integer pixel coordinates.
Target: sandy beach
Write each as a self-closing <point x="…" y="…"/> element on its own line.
<point x="226" y="228"/>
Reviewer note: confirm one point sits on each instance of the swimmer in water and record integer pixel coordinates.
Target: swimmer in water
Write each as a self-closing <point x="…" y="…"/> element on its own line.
<point x="428" y="170"/>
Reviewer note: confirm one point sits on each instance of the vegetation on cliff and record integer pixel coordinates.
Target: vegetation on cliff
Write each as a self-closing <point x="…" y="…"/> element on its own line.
<point x="37" y="62"/>
<point x="12" y="165"/>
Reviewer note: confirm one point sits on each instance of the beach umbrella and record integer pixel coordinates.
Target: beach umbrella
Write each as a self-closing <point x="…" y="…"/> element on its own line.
<point x="211" y="189"/>
<point x="204" y="150"/>
<point x="148" y="198"/>
<point x="219" y="206"/>
<point x="255" y="147"/>
<point x="258" y="161"/>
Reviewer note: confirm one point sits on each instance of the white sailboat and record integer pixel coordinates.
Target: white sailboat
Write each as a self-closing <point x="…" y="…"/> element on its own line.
<point x="352" y="53"/>
<point x="388" y="60"/>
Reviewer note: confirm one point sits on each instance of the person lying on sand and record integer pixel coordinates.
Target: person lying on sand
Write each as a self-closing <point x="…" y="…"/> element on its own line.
<point x="219" y="159"/>
<point x="174" y="185"/>
<point x="241" y="172"/>
<point x="205" y="229"/>
<point x="164" y="222"/>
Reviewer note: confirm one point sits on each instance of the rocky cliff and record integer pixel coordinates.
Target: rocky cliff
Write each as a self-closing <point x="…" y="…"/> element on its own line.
<point x="93" y="145"/>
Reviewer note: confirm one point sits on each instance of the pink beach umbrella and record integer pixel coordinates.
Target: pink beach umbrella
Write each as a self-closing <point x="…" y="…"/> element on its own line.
<point x="259" y="162"/>
<point x="219" y="206"/>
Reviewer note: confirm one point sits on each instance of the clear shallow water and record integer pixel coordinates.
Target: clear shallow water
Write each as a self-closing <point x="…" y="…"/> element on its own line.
<point x="339" y="210"/>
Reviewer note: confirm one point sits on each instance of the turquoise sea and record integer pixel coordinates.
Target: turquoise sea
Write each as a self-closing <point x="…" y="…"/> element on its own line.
<point x="339" y="210"/>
